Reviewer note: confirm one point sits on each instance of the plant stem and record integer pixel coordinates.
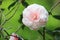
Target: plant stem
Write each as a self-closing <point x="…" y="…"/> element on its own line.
<point x="43" y="33"/>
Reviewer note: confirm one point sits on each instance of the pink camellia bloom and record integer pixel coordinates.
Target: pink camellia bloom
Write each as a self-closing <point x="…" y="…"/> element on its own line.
<point x="35" y="16"/>
<point x="13" y="37"/>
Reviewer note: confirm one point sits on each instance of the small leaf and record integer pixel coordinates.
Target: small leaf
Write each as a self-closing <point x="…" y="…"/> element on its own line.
<point x="11" y="5"/>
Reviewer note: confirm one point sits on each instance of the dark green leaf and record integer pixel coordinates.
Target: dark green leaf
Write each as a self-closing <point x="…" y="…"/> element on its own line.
<point x="57" y="17"/>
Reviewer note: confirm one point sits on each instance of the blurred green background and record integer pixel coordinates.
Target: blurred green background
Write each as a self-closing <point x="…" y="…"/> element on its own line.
<point x="12" y="25"/>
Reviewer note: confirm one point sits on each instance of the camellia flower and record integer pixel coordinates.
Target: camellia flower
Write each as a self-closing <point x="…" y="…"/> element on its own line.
<point x="35" y="16"/>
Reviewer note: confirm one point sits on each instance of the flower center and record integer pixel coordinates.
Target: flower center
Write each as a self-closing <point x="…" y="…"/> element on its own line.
<point x="34" y="16"/>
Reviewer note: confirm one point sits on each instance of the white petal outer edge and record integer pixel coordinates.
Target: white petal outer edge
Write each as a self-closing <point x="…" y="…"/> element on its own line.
<point x="26" y="22"/>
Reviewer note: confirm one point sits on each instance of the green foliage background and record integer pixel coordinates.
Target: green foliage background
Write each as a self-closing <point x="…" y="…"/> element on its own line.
<point x="28" y="34"/>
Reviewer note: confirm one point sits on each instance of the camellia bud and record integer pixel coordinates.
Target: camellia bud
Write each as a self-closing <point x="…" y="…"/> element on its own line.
<point x="35" y="16"/>
<point x="15" y="37"/>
